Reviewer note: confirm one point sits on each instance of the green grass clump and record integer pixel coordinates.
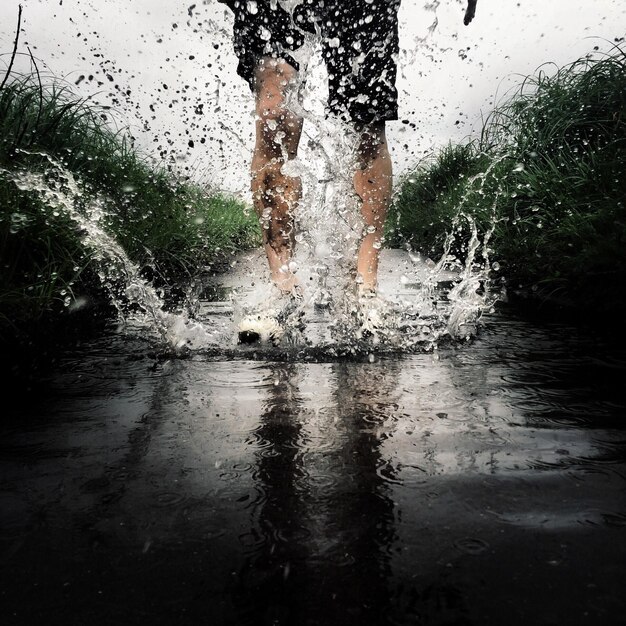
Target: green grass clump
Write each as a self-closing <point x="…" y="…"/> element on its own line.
<point x="172" y="228"/>
<point x="549" y="171"/>
<point x="437" y="188"/>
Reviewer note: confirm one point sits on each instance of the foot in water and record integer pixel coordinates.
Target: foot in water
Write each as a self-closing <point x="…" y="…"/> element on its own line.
<point x="265" y="322"/>
<point x="370" y="312"/>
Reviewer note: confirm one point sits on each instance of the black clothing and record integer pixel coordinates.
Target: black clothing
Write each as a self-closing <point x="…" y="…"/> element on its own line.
<point x="359" y="45"/>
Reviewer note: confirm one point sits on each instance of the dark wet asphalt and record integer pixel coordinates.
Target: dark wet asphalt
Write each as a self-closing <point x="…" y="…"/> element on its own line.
<point x="484" y="484"/>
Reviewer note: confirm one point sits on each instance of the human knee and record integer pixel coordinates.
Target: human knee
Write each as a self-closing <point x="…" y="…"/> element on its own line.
<point x="276" y="125"/>
<point x="278" y="130"/>
<point x="273" y="80"/>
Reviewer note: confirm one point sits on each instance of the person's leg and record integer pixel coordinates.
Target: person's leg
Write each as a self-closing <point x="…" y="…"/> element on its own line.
<point x="275" y="194"/>
<point x="362" y="75"/>
<point x="373" y="184"/>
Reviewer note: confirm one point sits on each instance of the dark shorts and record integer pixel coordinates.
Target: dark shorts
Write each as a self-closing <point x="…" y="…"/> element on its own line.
<point x="359" y="45"/>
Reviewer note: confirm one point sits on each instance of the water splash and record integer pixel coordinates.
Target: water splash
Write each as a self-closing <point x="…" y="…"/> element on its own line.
<point x="422" y="303"/>
<point x="472" y="293"/>
<point x="330" y="227"/>
<point x="436" y="300"/>
<point x="134" y="298"/>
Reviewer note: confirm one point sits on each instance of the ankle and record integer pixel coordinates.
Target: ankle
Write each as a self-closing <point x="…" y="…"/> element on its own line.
<point x="366" y="290"/>
<point x="286" y="284"/>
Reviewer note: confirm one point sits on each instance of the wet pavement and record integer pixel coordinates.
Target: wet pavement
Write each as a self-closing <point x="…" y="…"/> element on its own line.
<point x="483" y="483"/>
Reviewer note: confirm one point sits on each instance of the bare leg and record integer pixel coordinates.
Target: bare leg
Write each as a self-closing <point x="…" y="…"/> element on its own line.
<point x="276" y="195"/>
<point x="373" y="184"/>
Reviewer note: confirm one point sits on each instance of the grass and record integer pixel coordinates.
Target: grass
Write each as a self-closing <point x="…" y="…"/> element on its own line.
<point x="548" y="170"/>
<point x="169" y="227"/>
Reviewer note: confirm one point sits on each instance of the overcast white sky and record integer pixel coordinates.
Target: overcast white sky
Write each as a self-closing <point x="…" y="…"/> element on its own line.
<point x="169" y="69"/>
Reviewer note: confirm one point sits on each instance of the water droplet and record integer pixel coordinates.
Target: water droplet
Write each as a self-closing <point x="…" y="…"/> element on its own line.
<point x="322" y="250"/>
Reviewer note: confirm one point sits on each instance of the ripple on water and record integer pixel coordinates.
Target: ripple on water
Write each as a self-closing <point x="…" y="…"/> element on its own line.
<point x="388" y="473"/>
<point x="380" y="414"/>
<point x="169" y="499"/>
<point x="294" y="533"/>
<point x="229" y="475"/>
<point x="252" y="539"/>
<point x="557" y="520"/>
<point x="242" y="468"/>
<point x="233" y="473"/>
<point x="252" y="376"/>
<point x="617" y="520"/>
<point x="594" y="473"/>
<point x="471" y="545"/>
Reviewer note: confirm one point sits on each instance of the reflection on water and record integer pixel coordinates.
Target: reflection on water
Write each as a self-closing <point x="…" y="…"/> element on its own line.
<point x="325" y="515"/>
<point x="481" y="484"/>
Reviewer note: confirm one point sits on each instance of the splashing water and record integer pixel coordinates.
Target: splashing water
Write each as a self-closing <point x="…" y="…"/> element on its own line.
<point x="472" y="292"/>
<point x="57" y="188"/>
<point x="330" y="227"/>
<point x="421" y="302"/>
<point x="414" y="313"/>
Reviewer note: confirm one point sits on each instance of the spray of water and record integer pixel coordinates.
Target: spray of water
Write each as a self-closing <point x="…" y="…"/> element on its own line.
<point x="330" y="228"/>
<point x="135" y="299"/>
<point x="432" y="301"/>
<point x="416" y="316"/>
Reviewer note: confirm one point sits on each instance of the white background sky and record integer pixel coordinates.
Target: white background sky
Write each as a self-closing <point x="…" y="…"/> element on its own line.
<point x="449" y="78"/>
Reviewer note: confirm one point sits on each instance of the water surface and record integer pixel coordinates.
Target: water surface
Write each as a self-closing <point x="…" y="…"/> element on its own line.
<point x="480" y="483"/>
